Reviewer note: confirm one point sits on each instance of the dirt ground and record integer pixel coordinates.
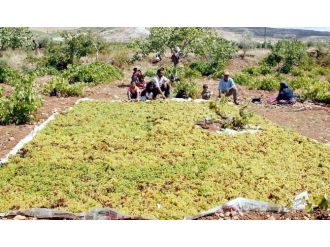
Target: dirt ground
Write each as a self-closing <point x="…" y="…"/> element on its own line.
<point x="293" y="215"/>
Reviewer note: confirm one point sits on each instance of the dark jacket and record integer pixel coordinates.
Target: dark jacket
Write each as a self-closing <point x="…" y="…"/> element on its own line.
<point x="285" y="92"/>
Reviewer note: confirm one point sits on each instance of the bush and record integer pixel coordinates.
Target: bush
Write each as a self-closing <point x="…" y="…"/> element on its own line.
<point x="188" y="88"/>
<point x="252" y="70"/>
<point x="287" y="53"/>
<point x="8" y="74"/>
<point x="19" y="107"/>
<point x="318" y="91"/>
<point x="59" y="86"/>
<point x="264" y="69"/>
<point x="96" y="72"/>
<point x="205" y="69"/>
<point x="244" y="79"/>
<point x="57" y="57"/>
<point x="267" y="83"/>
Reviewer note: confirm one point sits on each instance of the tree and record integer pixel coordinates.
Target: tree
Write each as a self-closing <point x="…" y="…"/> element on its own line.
<point x="162" y="38"/>
<point x="15" y="37"/>
<point x="246" y="43"/>
<point x="287" y="53"/>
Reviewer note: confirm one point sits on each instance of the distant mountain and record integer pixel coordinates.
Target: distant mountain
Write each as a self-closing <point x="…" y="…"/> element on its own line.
<point x="234" y="33"/>
<point x="124" y="34"/>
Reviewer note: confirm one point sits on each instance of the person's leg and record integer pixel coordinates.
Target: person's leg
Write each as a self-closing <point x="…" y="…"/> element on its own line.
<point x="155" y="92"/>
<point x="166" y="89"/>
<point x="233" y="92"/>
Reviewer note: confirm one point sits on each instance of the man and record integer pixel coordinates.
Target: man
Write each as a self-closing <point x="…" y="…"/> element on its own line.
<point x="161" y="84"/>
<point x="228" y="87"/>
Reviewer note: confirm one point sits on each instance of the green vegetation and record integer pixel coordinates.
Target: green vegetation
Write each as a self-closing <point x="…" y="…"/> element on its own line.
<point x="96" y="72"/>
<point x="132" y="157"/>
<point x="59" y="86"/>
<point x="288" y="61"/>
<point x="188" y="88"/>
<point x="18" y="108"/>
<point x="7" y="74"/>
<point x="15" y="37"/>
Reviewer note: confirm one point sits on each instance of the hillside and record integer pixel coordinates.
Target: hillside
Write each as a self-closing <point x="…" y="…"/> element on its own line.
<point x="124" y="34"/>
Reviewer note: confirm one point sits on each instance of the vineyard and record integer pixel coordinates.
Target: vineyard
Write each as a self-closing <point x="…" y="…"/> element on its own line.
<point x="160" y="159"/>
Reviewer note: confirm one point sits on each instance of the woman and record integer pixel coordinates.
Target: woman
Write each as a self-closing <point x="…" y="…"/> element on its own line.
<point x="285" y="94"/>
<point x="133" y="91"/>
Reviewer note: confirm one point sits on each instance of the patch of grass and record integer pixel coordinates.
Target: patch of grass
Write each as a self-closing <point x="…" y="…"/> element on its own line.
<point x="59" y="86"/>
<point x="132" y="156"/>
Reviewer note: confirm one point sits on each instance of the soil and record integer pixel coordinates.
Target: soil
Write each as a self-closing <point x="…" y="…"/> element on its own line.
<point x="292" y="215"/>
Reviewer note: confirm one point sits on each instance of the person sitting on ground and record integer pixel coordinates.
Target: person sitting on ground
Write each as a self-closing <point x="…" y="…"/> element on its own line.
<point x="135" y="74"/>
<point x="285" y="94"/>
<point x="206" y="93"/>
<point x="227" y="87"/>
<point x="162" y="84"/>
<point x="141" y="83"/>
<point x="148" y="92"/>
<point x="133" y="91"/>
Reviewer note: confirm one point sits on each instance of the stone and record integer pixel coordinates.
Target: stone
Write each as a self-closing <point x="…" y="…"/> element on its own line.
<point x="11" y="138"/>
<point x="19" y="217"/>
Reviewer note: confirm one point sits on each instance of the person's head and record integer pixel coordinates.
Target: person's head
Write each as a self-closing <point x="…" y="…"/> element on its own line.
<point x="283" y="85"/>
<point x="150" y="86"/>
<point x="135" y="69"/>
<point x="133" y="84"/>
<point x="205" y="87"/>
<point x="160" y="72"/>
<point x="226" y="75"/>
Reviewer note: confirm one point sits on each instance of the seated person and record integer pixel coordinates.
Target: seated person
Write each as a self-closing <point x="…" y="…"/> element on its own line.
<point x="148" y="92"/>
<point x="227" y="86"/>
<point x="285" y="94"/>
<point x="162" y="84"/>
<point x="206" y="93"/>
<point x="140" y="83"/>
<point x="133" y="91"/>
<point x="135" y="74"/>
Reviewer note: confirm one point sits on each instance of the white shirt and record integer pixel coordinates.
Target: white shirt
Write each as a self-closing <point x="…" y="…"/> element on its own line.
<point x="158" y="82"/>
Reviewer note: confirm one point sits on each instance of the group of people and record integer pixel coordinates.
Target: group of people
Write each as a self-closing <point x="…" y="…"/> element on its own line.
<point x="159" y="85"/>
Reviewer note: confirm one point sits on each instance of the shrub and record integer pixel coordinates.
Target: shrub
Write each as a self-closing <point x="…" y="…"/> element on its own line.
<point x="318" y="91"/>
<point x="267" y="83"/>
<point x="244" y="79"/>
<point x="19" y="107"/>
<point x="205" y="69"/>
<point x="96" y="72"/>
<point x="59" y="86"/>
<point x="8" y="74"/>
<point x="252" y="70"/>
<point x="264" y="69"/>
<point x="287" y="53"/>
<point x="188" y="88"/>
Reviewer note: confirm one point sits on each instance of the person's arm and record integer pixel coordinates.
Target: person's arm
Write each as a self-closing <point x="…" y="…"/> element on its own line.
<point x="232" y="85"/>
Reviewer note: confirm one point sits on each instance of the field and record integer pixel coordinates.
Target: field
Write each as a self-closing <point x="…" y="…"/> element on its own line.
<point x="149" y="159"/>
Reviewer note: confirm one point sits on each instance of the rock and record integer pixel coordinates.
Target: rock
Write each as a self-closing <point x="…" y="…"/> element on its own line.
<point x="227" y="214"/>
<point x="235" y="218"/>
<point x="240" y="213"/>
<point x="19" y="217"/>
<point x="221" y="215"/>
<point x="11" y="138"/>
<point x="271" y="218"/>
<point x="233" y="213"/>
